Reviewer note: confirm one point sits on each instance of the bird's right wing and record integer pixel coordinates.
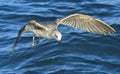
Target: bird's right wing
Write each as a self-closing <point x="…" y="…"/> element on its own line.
<point x="30" y="26"/>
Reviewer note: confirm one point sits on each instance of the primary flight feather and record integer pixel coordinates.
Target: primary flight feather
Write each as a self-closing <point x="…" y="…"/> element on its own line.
<point x="81" y="21"/>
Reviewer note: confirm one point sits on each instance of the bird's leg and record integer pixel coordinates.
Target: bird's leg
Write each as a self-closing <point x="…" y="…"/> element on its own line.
<point x="32" y="45"/>
<point x="38" y="40"/>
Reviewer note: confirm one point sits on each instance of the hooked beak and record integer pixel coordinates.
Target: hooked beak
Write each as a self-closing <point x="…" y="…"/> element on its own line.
<point x="59" y="42"/>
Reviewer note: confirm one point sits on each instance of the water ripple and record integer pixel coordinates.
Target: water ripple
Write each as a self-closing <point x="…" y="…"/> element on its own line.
<point x="80" y="52"/>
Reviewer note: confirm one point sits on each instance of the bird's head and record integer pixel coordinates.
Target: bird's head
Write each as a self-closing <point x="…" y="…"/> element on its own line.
<point x="57" y="35"/>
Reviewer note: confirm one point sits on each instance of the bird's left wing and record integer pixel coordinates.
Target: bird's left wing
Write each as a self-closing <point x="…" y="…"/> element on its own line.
<point x="87" y="23"/>
<point x="30" y="26"/>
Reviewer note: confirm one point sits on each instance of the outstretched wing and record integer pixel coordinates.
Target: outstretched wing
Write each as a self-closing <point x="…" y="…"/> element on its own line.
<point x="30" y="26"/>
<point x="87" y="23"/>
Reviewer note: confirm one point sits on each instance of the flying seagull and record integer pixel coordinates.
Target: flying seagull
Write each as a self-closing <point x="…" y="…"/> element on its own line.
<point x="81" y="21"/>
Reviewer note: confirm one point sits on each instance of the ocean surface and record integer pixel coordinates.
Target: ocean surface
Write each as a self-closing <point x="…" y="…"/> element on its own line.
<point x="80" y="52"/>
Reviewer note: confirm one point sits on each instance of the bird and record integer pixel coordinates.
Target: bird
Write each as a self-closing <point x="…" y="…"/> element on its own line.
<point x="77" y="20"/>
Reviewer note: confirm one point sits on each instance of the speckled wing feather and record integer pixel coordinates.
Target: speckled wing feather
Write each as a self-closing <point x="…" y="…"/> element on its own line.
<point x="30" y="26"/>
<point x="87" y="23"/>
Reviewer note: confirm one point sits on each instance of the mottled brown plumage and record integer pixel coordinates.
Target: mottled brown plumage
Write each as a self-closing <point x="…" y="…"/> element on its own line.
<point x="81" y="21"/>
<point x="87" y="23"/>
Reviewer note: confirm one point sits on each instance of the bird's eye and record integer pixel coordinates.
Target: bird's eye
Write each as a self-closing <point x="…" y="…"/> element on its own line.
<point x="55" y="35"/>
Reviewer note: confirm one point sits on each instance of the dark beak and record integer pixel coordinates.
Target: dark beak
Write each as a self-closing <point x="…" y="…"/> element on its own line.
<point x="59" y="42"/>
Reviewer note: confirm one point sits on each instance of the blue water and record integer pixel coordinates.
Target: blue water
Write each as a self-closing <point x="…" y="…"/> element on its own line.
<point x="80" y="53"/>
